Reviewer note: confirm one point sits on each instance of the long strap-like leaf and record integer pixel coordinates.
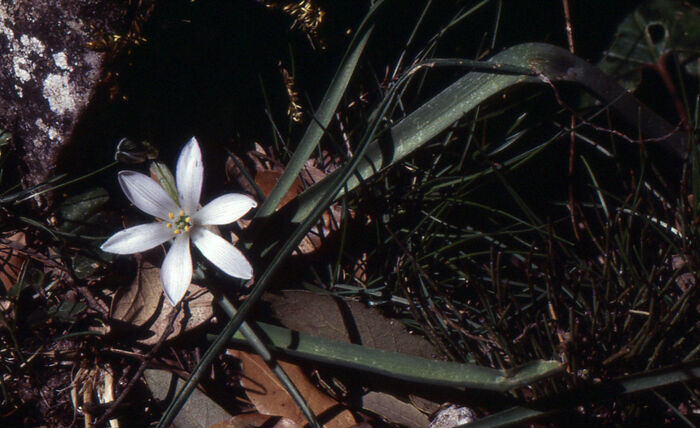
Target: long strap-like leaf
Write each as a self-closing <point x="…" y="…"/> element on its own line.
<point x="605" y="391"/>
<point x="460" y="98"/>
<point x="321" y="119"/>
<point x="401" y="366"/>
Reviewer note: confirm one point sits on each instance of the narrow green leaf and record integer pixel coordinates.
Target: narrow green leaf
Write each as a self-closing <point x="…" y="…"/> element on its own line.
<point x="601" y="392"/>
<point x="402" y="366"/>
<point x="460" y="98"/>
<point x="318" y="125"/>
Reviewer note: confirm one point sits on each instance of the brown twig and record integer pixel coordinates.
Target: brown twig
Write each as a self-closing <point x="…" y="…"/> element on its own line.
<point x="93" y="303"/>
<point x="662" y="69"/>
<point x="572" y="134"/>
<point x="614" y="132"/>
<point x="33" y="254"/>
<point x="146" y="359"/>
<point x="424" y="305"/>
<point x="569" y="28"/>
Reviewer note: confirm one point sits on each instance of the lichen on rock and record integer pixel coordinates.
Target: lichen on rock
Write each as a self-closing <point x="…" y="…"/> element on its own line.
<point x="51" y="73"/>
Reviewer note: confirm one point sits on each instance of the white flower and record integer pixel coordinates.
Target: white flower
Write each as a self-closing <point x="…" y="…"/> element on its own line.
<point x="181" y="222"/>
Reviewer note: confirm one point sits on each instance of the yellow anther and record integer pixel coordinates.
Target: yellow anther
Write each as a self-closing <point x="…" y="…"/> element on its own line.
<point x="182" y="212"/>
<point x="187" y="228"/>
<point x="171" y="216"/>
<point x="188" y="220"/>
<point x="169" y="225"/>
<point x="176" y="231"/>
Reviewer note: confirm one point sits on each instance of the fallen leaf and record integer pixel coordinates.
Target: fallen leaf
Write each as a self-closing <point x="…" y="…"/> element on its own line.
<point x="328" y="223"/>
<point x="139" y="302"/>
<point x="270" y="397"/>
<point x="311" y="174"/>
<point x="394" y="410"/>
<point x="352" y="322"/>
<point x="198" y="412"/>
<point x="142" y="304"/>
<point x="11" y="260"/>
<point x="326" y="316"/>
<point x="256" y="420"/>
<point x="266" y="180"/>
<point x="268" y="172"/>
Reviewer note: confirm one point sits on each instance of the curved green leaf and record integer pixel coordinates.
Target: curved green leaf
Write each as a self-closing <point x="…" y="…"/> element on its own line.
<point x="321" y="119"/>
<point x="402" y="366"/>
<point x="604" y="391"/>
<point x="436" y="115"/>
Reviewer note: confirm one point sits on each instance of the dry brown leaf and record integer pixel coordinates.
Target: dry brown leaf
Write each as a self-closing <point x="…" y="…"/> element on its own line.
<point x="256" y="420"/>
<point x="310" y="174"/>
<point x="11" y="260"/>
<point x="142" y="304"/>
<point x="138" y="303"/>
<point x="323" y="316"/>
<point x="329" y="222"/>
<point x="394" y="410"/>
<point x="199" y="411"/>
<point x="330" y="219"/>
<point x="269" y="396"/>
<point x="267" y="179"/>
<point x="326" y="316"/>
<point x="268" y="172"/>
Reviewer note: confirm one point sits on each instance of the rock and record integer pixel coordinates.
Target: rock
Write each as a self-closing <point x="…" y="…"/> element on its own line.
<point x="452" y="416"/>
<point x="50" y="74"/>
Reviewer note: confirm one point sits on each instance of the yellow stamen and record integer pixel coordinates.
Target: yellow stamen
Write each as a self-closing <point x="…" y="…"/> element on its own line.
<point x="176" y="231"/>
<point x="187" y="219"/>
<point x="171" y="216"/>
<point x="187" y="228"/>
<point x="169" y="225"/>
<point x="182" y="212"/>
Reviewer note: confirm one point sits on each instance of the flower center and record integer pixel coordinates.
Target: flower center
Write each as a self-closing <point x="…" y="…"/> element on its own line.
<point x="180" y="223"/>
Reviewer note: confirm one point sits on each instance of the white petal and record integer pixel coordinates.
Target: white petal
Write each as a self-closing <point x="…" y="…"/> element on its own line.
<point x="222" y="254"/>
<point x="176" y="271"/>
<point x="224" y="209"/>
<point x="138" y="238"/>
<point x="189" y="176"/>
<point x="146" y="194"/>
